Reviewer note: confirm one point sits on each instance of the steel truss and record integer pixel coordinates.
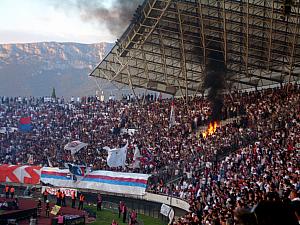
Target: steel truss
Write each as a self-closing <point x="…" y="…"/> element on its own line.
<point x="166" y="46"/>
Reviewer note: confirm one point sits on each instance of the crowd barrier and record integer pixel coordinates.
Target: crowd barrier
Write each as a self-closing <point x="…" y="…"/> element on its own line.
<point x="168" y="200"/>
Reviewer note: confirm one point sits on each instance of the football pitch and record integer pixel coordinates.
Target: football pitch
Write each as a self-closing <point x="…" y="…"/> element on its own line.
<point x="106" y="216"/>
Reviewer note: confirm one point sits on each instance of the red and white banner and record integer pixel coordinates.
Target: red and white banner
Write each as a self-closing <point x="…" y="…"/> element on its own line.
<point x="53" y="190"/>
<point x="20" y="174"/>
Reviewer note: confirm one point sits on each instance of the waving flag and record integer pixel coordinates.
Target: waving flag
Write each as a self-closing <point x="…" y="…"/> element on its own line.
<point x="136" y="158"/>
<point x="117" y="156"/>
<point x="25" y="124"/>
<point x="75" y="146"/>
<point x="30" y="159"/>
<point x="76" y="169"/>
<point x="147" y="157"/>
<point x="172" y="115"/>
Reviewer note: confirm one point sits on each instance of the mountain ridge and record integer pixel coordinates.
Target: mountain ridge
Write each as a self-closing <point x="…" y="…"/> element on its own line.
<point x="33" y="69"/>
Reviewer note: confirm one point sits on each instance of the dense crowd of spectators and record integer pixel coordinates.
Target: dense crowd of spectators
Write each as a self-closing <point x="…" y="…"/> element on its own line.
<point x="255" y="157"/>
<point x="265" y="169"/>
<point x="99" y="124"/>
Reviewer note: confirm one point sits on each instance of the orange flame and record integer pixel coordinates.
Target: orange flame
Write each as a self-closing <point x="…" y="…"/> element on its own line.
<point x="212" y="127"/>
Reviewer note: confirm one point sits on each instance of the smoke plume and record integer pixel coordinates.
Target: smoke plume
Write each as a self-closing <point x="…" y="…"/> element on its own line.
<point x="115" y="17"/>
<point x="214" y="80"/>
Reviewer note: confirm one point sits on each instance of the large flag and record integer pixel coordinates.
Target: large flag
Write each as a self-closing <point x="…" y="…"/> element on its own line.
<point x="30" y="159"/>
<point x="172" y="115"/>
<point x="75" y="146"/>
<point x="25" y="124"/>
<point x="147" y="157"/>
<point x="77" y="170"/>
<point x="117" y="156"/>
<point x="49" y="162"/>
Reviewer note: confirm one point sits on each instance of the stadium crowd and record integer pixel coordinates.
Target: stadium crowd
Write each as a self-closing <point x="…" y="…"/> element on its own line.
<point x="252" y="158"/>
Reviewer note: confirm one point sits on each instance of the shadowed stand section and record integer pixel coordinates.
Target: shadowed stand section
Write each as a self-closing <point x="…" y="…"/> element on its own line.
<point x="28" y="208"/>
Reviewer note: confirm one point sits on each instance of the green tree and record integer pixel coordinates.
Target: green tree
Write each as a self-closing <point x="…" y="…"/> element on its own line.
<point x="53" y="95"/>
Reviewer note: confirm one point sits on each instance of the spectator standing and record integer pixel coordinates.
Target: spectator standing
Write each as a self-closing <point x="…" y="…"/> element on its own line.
<point x="120" y="207"/>
<point x="12" y="192"/>
<point x="6" y="191"/>
<point x="60" y="219"/>
<point x="45" y="195"/>
<point x="63" y="199"/>
<point x="16" y="203"/>
<point x="58" y="198"/>
<point x="133" y="217"/>
<point x="99" y="202"/>
<point x="73" y="196"/>
<point x="81" y="200"/>
<point x="47" y="208"/>
<point x="124" y="212"/>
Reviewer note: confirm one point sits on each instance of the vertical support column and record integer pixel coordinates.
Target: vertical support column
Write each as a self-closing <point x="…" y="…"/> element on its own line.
<point x="202" y="33"/>
<point x="163" y="56"/>
<point x="182" y="49"/>
<point x="225" y="32"/>
<point x="293" y="42"/>
<point x="270" y="38"/>
<point x="146" y="70"/>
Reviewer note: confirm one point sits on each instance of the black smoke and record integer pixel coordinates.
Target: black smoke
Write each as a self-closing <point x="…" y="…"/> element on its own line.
<point x="214" y="80"/>
<point x="115" y="17"/>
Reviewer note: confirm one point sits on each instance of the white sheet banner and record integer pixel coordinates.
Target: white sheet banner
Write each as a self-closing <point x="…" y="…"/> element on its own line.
<point x="117" y="156"/>
<point x="122" y="183"/>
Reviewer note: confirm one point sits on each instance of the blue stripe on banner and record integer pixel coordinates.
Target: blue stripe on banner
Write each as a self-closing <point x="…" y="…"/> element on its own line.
<point x="55" y="177"/>
<point x="124" y="183"/>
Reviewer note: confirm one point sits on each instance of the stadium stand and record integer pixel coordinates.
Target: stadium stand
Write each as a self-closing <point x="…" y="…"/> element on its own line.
<point x="252" y="159"/>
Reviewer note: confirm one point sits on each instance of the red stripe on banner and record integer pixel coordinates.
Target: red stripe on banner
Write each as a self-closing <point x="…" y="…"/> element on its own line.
<point x="99" y="177"/>
<point x="54" y="173"/>
<point x="117" y="178"/>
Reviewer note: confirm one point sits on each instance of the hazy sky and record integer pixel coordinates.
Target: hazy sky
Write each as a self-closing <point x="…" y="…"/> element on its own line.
<point x="49" y="20"/>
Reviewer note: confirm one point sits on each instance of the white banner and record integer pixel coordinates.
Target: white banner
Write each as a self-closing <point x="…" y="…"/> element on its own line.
<point x="167" y="211"/>
<point x="122" y="183"/>
<point x="4" y="130"/>
<point x="53" y="190"/>
<point x="128" y="131"/>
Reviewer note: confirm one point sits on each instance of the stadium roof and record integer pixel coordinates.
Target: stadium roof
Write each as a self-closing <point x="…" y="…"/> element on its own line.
<point x="166" y="46"/>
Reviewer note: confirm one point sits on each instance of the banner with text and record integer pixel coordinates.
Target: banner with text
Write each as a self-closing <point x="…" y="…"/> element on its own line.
<point x="122" y="183"/>
<point x="53" y="190"/>
<point x="20" y="174"/>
